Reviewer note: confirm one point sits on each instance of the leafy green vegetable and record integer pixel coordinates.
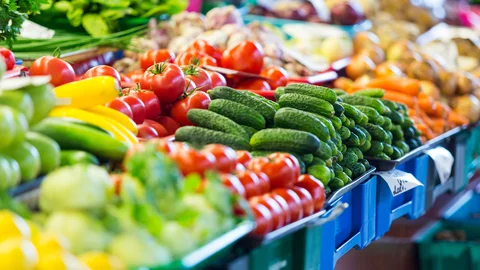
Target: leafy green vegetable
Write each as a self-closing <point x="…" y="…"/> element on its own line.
<point x="95" y="25"/>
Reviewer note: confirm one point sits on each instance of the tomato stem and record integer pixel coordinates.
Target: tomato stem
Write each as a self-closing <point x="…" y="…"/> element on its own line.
<point x="159" y="68"/>
<point x="191" y="70"/>
<point x="57" y="53"/>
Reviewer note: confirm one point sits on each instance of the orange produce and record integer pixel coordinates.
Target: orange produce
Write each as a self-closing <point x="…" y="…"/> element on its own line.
<point x="404" y="85"/>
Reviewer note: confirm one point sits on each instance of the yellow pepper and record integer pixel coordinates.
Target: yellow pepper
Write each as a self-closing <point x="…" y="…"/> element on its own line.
<point x="118" y="131"/>
<point x="89" y="92"/>
<point x="13" y="226"/>
<point x="18" y="253"/>
<point x="102" y="261"/>
<point x="115" y="115"/>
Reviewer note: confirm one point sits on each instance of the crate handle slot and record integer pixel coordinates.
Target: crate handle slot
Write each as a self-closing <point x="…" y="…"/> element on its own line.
<point x="334" y="213"/>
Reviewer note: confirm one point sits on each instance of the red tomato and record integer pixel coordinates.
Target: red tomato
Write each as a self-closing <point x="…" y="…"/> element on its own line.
<point x="162" y="132"/>
<point x="197" y="100"/>
<point x="190" y="85"/>
<point x="168" y="123"/>
<point x="163" y="145"/>
<point x="149" y="58"/>
<point x="283" y="204"/>
<point x="293" y="200"/>
<point x="315" y="188"/>
<point x="199" y="76"/>
<point x="137" y="106"/>
<point x="8" y="57"/>
<point x="146" y="132"/>
<point x="197" y="58"/>
<point x="265" y="182"/>
<point x="244" y="157"/>
<point x="274" y="207"/>
<point x="292" y="158"/>
<point x="217" y="79"/>
<point x="233" y="184"/>
<point x="263" y="219"/>
<point x="117" y="182"/>
<point x="125" y="79"/>
<point x="307" y="200"/>
<point x="165" y="80"/>
<point x="246" y="56"/>
<point x="151" y="102"/>
<point x="226" y="158"/>
<point x="121" y="106"/>
<point x="280" y="170"/>
<point x="277" y="75"/>
<point x="250" y="182"/>
<point x="60" y="71"/>
<point x="102" y="70"/>
<point x="239" y="167"/>
<point x="207" y="48"/>
<point x="253" y="84"/>
<point x="193" y="161"/>
<point x="135" y="75"/>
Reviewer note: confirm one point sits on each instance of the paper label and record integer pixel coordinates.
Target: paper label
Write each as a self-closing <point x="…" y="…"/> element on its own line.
<point x="35" y="31"/>
<point x="399" y="181"/>
<point x="443" y="160"/>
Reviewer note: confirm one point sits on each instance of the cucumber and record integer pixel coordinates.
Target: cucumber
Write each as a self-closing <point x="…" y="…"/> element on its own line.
<point x="279" y="139"/>
<point x="390" y="137"/>
<point x="387" y="149"/>
<point x="308" y="158"/>
<point x="396" y="153"/>
<point x="377" y="132"/>
<point x="72" y="157"/>
<point x="239" y="113"/>
<point x="373" y="116"/>
<point x="317" y="161"/>
<point x="345" y="133"/>
<point x="249" y="130"/>
<point x="366" y="101"/>
<point x="353" y="113"/>
<point x="348" y="172"/>
<point x="48" y="149"/>
<point x="214" y="121"/>
<point x="377" y="148"/>
<point x="397" y="133"/>
<point x="409" y="132"/>
<point x="361" y="136"/>
<point x="390" y="104"/>
<point x="357" y="152"/>
<point x="279" y="92"/>
<point x="382" y="156"/>
<point x="349" y="158"/>
<point x="324" y="151"/>
<point x="339" y="109"/>
<point x="402" y="145"/>
<point x="369" y="137"/>
<point x="364" y="162"/>
<point x="339" y="156"/>
<point x="299" y="120"/>
<point x="343" y="176"/>
<point x="339" y="92"/>
<point x="321" y="172"/>
<point x="319" y="92"/>
<point x="407" y="122"/>
<point x="258" y="104"/>
<point x="337" y="123"/>
<point x="353" y="141"/>
<point x="363" y="120"/>
<point x="262" y="99"/>
<point x="336" y="184"/>
<point x="349" y="123"/>
<point x="261" y="153"/>
<point x="199" y="136"/>
<point x="326" y="122"/>
<point x="396" y="117"/>
<point x="71" y="136"/>
<point x="338" y="141"/>
<point x="366" y="146"/>
<point x="333" y="147"/>
<point x="307" y="103"/>
<point x="371" y="92"/>
<point x="357" y="170"/>
<point x="337" y="168"/>
<point x="387" y="125"/>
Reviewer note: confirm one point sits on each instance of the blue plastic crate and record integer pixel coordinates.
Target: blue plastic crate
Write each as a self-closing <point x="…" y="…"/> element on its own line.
<point x="353" y="228"/>
<point x="465" y="208"/>
<point x="410" y="204"/>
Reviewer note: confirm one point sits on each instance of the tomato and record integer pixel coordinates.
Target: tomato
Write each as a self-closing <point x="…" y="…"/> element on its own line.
<point x="199" y="76"/>
<point x="253" y="84"/>
<point x="102" y="70"/>
<point x="307" y="200"/>
<point x="207" y="48"/>
<point x="277" y="75"/>
<point x="135" y="75"/>
<point x="125" y="79"/>
<point x="293" y="200"/>
<point x="226" y="158"/>
<point x="193" y="57"/>
<point x="284" y="205"/>
<point x="315" y="188"/>
<point x="190" y="85"/>
<point x="197" y="100"/>
<point x="151" y="102"/>
<point x="121" y="106"/>
<point x="263" y="219"/>
<point x="265" y="182"/>
<point x="8" y="57"/>
<point x="146" y="132"/>
<point x="217" y="79"/>
<point x="117" y="182"/>
<point x="251" y="183"/>
<point x="233" y="184"/>
<point x="292" y="158"/>
<point x="168" y="123"/>
<point x="280" y="170"/>
<point x="246" y="56"/>
<point x="278" y="215"/>
<point x="162" y="132"/>
<point x="165" y="80"/>
<point x="239" y="167"/>
<point x="163" y="145"/>
<point x="152" y="57"/>
<point x="193" y="161"/>
<point x="137" y="106"/>
<point x="60" y="71"/>
<point x="243" y="157"/>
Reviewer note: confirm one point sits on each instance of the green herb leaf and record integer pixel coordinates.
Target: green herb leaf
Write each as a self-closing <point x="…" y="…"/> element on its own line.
<point x="95" y="25"/>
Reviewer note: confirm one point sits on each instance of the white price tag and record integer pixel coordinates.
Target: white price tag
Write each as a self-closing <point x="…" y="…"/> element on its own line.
<point x="35" y="31"/>
<point x="443" y="160"/>
<point x="399" y="181"/>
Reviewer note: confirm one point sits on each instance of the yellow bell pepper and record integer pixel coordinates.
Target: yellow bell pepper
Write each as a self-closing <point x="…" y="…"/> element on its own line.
<point x="60" y="261"/>
<point x="13" y="226"/>
<point x="119" y="132"/>
<point x="102" y="261"/>
<point x="18" y="253"/>
<point x="115" y="115"/>
<point x="88" y="93"/>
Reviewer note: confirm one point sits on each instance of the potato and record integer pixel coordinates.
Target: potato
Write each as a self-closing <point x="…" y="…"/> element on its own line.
<point x="424" y="70"/>
<point x="388" y="69"/>
<point x="363" y="40"/>
<point x="447" y="83"/>
<point x="398" y="49"/>
<point x="342" y="83"/>
<point x="465" y="83"/>
<point x="360" y="65"/>
<point x="375" y="53"/>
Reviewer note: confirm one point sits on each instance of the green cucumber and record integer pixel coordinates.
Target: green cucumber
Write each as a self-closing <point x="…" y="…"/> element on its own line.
<point x="337" y="123"/>
<point x="214" y="121"/>
<point x="279" y="139"/>
<point x="373" y="116"/>
<point x="199" y="136"/>
<point x="299" y="120"/>
<point x="279" y="92"/>
<point x="237" y="112"/>
<point x="371" y="92"/>
<point x="345" y="133"/>
<point x="366" y="101"/>
<point x="357" y="169"/>
<point x="352" y="141"/>
<point x="72" y="157"/>
<point x="249" y="130"/>
<point x="319" y="92"/>
<point x="339" y="109"/>
<point x="377" y="132"/>
<point x="307" y="103"/>
<point x="324" y="151"/>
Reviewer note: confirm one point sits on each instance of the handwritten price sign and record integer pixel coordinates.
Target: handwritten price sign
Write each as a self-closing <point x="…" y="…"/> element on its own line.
<point x="443" y="162"/>
<point x="399" y="181"/>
